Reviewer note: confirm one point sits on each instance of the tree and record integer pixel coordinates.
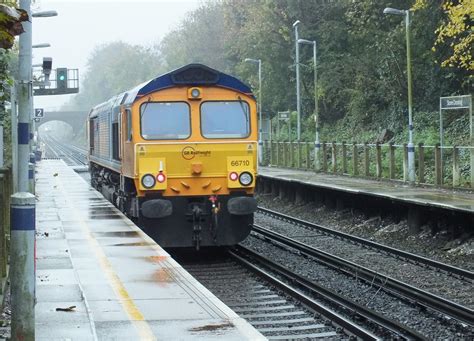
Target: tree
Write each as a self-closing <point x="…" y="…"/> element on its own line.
<point x="455" y="32"/>
<point x="114" y="68"/>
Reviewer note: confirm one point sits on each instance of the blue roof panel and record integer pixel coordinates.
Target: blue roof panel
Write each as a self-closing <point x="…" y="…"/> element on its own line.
<point x="190" y="75"/>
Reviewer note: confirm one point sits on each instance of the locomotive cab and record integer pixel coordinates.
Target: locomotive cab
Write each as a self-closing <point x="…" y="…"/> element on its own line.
<point x="183" y="156"/>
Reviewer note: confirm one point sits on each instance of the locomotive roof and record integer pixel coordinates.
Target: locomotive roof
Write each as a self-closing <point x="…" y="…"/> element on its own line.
<point x="191" y="75"/>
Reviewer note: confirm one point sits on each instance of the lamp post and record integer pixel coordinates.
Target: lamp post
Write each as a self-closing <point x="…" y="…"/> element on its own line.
<point x="298" y="97"/>
<point x="411" y="146"/>
<point x="22" y="209"/>
<point x="317" y="145"/>
<point x="260" y="142"/>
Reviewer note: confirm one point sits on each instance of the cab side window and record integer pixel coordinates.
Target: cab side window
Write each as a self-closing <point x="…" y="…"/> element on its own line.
<point x="128" y="114"/>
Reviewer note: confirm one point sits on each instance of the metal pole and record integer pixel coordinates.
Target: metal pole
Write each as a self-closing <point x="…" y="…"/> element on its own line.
<point x="260" y="142"/>
<point x="24" y="99"/>
<point x="298" y="99"/>
<point x="22" y="267"/>
<point x="1" y="146"/>
<point x="317" y="145"/>
<point x="441" y="133"/>
<point x="14" y="136"/>
<point x="411" y="146"/>
<point x="471" y="123"/>
<point x="278" y="128"/>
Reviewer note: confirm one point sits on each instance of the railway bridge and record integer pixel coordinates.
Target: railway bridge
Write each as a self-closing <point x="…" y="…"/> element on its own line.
<point x="76" y="119"/>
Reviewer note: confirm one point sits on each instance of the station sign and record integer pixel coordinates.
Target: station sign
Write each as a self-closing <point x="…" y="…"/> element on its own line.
<point x="455" y="102"/>
<point x="284" y="116"/>
<point x="39" y="113"/>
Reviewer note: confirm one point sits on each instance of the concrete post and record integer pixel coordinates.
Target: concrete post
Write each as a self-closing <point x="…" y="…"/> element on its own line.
<point x="344" y="157"/>
<point x="31" y="177"/>
<point x="355" y="159"/>
<point x="14" y="137"/>
<point x="391" y="161"/>
<point x="378" y="160"/>
<point x="324" y="153"/>
<point x="22" y="270"/>
<point x="438" y="166"/>
<point x="456" y="170"/>
<point x="334" y="157"/>
<point x="421" y="162"/>
<point x="24" y="99"/>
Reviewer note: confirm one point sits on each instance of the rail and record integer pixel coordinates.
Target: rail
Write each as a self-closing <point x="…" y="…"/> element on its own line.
<point x="315" y="290"/>
<point x="448" y="166"/>
<point x="438" y="266"/>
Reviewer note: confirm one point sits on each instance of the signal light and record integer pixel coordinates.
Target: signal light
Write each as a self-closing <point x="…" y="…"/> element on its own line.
<point x="161" y="178"/>
<point x="233" y="176"/>
<point x="61" y="78"/>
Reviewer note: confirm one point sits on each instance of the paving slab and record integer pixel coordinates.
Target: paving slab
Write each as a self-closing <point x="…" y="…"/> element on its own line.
<point x="117" y="282"/>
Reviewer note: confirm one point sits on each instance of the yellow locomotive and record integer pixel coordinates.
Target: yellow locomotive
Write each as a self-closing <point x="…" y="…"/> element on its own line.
<point x="179" y="154"/>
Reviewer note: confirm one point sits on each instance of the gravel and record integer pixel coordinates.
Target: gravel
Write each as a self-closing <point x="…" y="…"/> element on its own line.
<point x="442" y="246"/>
<point x="424" y="278"/>
<point x="253" y="299"/>
<point x="427" y="323"/>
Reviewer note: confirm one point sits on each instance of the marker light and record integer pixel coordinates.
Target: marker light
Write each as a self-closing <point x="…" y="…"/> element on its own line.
<point x="245" y="178"/>
<point x="233" y="176"/>
<point x="161" y="178"/>
<point x="195" y="93"/>
<point x="148" y="181"/>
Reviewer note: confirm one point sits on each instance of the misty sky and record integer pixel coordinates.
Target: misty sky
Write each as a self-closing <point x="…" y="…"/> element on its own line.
<point x="83" y="24"/>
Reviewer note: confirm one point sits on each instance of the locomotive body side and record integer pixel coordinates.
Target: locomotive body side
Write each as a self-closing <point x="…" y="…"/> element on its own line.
<point x="181" y="159"/>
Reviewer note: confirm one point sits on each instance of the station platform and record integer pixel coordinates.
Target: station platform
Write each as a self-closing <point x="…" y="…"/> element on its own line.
<point x="99" y="277"/>
<point x="462" y="201"/>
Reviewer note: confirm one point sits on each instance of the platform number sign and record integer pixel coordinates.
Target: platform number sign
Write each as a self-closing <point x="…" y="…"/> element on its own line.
<point x="39" y="113"/>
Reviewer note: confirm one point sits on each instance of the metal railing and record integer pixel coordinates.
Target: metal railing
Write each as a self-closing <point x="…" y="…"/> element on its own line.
<point x="5" y="193"/>
<point x="448" y="166"/>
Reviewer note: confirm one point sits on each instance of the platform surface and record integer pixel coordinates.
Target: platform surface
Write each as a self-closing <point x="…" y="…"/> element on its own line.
<point x="117" y="283"/>
<point x="435" y="197"/>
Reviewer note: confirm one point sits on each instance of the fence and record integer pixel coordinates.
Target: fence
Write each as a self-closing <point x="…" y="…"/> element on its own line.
<point x="5" y="192"/>
<point x="435" y="165"/>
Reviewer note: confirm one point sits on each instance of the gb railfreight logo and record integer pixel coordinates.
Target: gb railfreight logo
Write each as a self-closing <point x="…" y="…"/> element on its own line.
<point x="189" y="153"/>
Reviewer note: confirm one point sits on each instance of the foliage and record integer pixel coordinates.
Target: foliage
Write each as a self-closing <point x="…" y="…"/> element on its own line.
<point x="361" y="64"/>
<point x="455" y="32"/>
<point x="112" y="69"/>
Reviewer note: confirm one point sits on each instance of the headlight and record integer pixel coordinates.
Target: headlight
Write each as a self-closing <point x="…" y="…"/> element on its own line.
<point x="245" y="178"/>
<point x="148" y="181"/>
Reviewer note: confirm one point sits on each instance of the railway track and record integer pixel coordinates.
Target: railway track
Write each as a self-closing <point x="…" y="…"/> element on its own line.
<point x="435" y="285"/>
<point x="424" y="298"/>
<point x="71" y="154"/>
<point x="401" y="305"/>
<point x="276" y="309"/>
<point x="417" y="259"/>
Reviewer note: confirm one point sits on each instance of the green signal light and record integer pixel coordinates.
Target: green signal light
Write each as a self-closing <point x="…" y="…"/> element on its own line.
<point x="62" y="77"/>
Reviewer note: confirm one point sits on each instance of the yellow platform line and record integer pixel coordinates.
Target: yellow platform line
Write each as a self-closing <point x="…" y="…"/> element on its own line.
<point x="132" y="311"/>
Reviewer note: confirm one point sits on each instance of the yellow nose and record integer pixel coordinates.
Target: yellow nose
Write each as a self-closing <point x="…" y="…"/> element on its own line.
<point x="196" y="168"/>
